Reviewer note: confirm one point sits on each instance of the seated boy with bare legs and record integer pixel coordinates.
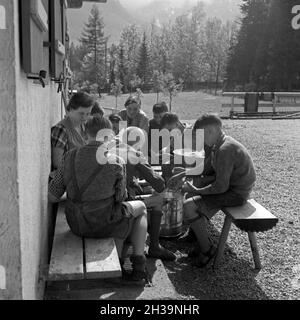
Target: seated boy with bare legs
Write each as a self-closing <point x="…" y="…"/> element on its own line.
<point x="230" y="184"/>
<point x="96" y="193"/>
<point x="142" y="170"/>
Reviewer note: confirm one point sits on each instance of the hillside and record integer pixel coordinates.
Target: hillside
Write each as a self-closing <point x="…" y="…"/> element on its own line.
<point x="117" y="16"/>
<point x="164" y="10"/>
<point x="226" y="10"/>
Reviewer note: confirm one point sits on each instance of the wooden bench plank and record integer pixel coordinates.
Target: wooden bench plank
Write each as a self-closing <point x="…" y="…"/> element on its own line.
<point x="252" y="217"/>
<point x="101" y="258"/>
<point x="240" y="105"/>
<point x="67" y="252"/>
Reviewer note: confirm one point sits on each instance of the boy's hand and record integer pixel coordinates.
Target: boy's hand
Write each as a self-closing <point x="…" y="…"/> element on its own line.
<point x="177" y="170"/>
<point x="189" y="188"/>
<point x="175" y="183"/>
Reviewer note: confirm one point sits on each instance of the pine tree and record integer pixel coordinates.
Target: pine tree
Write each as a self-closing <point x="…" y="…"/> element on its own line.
<point x="143" y="70"/>
<point x="121" y="67"/>
<point x="284" y="47"/>
<point x="94" y="41"/>
<point x="267" y="49"/>
<point x="243" y="53"/>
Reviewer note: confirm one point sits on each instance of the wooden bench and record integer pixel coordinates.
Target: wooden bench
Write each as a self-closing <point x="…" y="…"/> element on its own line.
<point x="279" y="100"/>
<point x="75" y="258"/>
<point x="251" y="218"/>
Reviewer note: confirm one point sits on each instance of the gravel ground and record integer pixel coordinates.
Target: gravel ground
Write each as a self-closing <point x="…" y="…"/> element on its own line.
<point x="275" y="147"/>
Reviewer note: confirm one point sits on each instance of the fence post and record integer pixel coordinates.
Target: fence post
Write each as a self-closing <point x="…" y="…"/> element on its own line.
<point x="274" y="103"/>
<point x="232" y="106"/>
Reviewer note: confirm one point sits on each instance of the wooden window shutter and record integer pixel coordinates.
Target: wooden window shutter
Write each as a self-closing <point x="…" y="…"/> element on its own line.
<point x="57" y="37"/>
<point x="34" y="30"/>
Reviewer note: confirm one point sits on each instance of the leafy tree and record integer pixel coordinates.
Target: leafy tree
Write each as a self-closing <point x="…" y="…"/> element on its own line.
<point x="157" y="85"/>
<point x="194" y="45"/>
<point x="188" y="45"/>
<point x="217" y="40"/>
<point x="113" y="60"/>
<point x="161" y="48"/>
<point x="76" y="56"/>
<point x="130" y="42"/>
<point x="171" y="87"/>
<point x="135" y="83"/>
<point x="139" y="93"/>
<point x="116" y="90"/>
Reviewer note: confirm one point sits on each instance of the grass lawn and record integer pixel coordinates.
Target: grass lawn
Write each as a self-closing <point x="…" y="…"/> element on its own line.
<point x="188" y="105"/>
<point x="275" y="147"/>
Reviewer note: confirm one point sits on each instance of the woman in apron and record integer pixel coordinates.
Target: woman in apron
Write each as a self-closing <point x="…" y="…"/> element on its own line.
<point x="70" y="132"/>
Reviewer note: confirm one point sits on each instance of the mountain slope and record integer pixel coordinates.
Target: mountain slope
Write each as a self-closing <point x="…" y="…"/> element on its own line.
<point x="226" y="10"/>
<point x="116" y="16"/>
<point x="163" y="10"/>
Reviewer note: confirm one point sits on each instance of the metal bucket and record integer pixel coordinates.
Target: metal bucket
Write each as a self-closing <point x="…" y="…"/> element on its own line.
<point x="172" y="220"/>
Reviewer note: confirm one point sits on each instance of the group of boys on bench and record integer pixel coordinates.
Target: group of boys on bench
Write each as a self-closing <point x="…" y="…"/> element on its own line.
<point x="105" y="198"/>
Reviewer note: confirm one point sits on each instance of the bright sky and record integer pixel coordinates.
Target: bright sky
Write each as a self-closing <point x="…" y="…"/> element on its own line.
<point x="138" y="3"/>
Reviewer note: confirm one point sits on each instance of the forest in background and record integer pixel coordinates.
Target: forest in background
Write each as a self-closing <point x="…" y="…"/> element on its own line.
<point x="258" y="52"/>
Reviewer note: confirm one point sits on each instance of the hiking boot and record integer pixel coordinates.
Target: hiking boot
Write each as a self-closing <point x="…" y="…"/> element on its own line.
<point x="189" y="236"/>
<point x="194" y="252"/>
<point x="138" y="273"/>
<point x="156" y="251"/>
<point x="203" y="259"/>
<point x="161" y="253"/>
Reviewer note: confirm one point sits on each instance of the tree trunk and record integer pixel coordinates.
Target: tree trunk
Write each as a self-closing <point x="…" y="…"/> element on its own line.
<point x="217" y="77"/>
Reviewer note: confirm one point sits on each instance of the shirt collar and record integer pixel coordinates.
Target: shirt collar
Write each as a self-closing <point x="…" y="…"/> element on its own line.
<point x="219" y="142"/>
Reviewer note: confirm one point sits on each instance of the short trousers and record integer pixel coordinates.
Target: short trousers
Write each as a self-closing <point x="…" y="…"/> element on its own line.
<point x="123" y="230"/>
<point x="127" y="210"/>
<point x="209" y="205"/>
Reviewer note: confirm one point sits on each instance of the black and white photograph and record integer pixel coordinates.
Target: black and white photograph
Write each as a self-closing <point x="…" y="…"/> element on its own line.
<point x="149" y="152"/>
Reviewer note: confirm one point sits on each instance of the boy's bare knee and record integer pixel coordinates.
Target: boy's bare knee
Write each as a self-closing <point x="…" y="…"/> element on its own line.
<point x="143" y="222"/>
<point x="143" y="209"/>
<point x="139" y="208"/>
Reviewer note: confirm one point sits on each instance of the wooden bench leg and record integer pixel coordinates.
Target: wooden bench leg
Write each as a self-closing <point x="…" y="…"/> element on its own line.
<point x="223" y="239"/>
<point x="254" y="249"/>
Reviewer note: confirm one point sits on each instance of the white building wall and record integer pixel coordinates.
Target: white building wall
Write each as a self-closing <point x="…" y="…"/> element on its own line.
<point x="27" y="112"/>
